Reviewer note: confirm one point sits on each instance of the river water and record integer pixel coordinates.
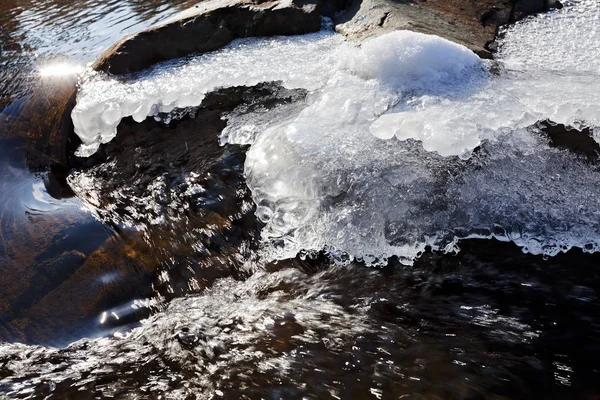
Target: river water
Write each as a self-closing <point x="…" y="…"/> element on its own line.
<point x="149" y="257"/>
<point x="46" y="239"/>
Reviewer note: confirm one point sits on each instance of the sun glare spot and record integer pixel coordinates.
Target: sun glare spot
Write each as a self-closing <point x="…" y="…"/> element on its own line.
<point x="60" y="70"/>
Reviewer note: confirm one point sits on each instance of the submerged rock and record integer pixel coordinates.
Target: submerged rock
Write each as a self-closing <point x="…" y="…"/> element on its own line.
<point x="40" y="122"/>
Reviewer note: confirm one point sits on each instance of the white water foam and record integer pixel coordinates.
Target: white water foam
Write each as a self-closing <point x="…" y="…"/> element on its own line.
<point x="323" y="178"/>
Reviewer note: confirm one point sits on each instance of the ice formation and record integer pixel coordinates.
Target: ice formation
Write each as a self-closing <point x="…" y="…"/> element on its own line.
<point x="321" y="181"/>
<point x="102" y="101"/>
<point x="323" y="178"/>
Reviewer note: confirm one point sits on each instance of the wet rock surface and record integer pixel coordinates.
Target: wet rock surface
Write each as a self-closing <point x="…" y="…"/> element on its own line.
<point x="213" y="24"/>
<point x="41" y="121"/>
<point x="209" y="26"/>
<point x="579" y="141"/>
<point x="51" y="252"/>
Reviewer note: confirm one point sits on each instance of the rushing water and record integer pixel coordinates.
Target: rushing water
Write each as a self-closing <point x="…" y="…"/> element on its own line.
<point x="162" y="214"/>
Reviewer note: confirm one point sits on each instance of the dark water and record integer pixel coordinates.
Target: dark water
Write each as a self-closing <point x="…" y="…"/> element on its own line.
<point x="160" y="225"/>
<point x="51" y="251"/>
<point x="490" y="323"/>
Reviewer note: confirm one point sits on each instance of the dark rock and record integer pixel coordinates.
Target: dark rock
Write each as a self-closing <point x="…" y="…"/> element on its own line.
<point x="266" y="94"/>
<point x="524" y="8"/>
<point x="45" y="388"/>
<point x="492" y="46"/>
<point x="570" y="138"/>
<point x="42" y="119"/>
<point x="491" y="16"/>
<point x="187" y="339"/>
<point x="210" y="26"/>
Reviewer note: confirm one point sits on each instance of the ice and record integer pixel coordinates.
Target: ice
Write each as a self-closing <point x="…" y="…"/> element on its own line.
<point x="103" y="100"/>
<point x="564" y="41"/>
<point x="326" y="180"/>
<point x="403" y="141"/>
<point x="410" y="60"/>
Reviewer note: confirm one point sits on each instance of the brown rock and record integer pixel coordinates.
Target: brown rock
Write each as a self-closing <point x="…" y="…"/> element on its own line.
<point x="109" y="278"/>
<point x="210" y="26"/>
<point x="42" y="122"/>
<point x="472" y="23"/>
<point x="57" y="257"/>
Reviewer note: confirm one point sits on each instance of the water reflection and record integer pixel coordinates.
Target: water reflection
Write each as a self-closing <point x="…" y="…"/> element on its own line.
<point x="52" y="252"/>
<point x="60" y="69"/>
<point x="34" y="31"/>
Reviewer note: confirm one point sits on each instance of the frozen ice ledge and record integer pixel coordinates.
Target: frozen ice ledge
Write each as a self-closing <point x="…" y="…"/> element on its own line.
<point x="404" y="141"/>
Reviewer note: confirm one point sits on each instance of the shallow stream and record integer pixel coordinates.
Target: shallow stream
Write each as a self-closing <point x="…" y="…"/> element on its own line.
<point x="329" y="223"/>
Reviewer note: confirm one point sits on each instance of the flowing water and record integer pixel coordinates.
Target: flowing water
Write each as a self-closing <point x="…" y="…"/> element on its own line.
<point x="49" y="246"/>
<point x="241" y="220"/>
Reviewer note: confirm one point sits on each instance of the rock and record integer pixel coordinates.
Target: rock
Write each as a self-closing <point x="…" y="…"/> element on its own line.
<point x="53" y="253"/>
<point x="209" y="26"/>
<point x="524" y="8"/>
<point x="63" y="257"/>
<point x="473" y="24"/>
<point x="40" y="123"/>
<point x="579" y="141"/>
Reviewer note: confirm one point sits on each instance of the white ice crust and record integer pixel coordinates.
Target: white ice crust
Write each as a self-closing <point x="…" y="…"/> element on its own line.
<point x="102" y="100"/>
<point x="369" y="168"/>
